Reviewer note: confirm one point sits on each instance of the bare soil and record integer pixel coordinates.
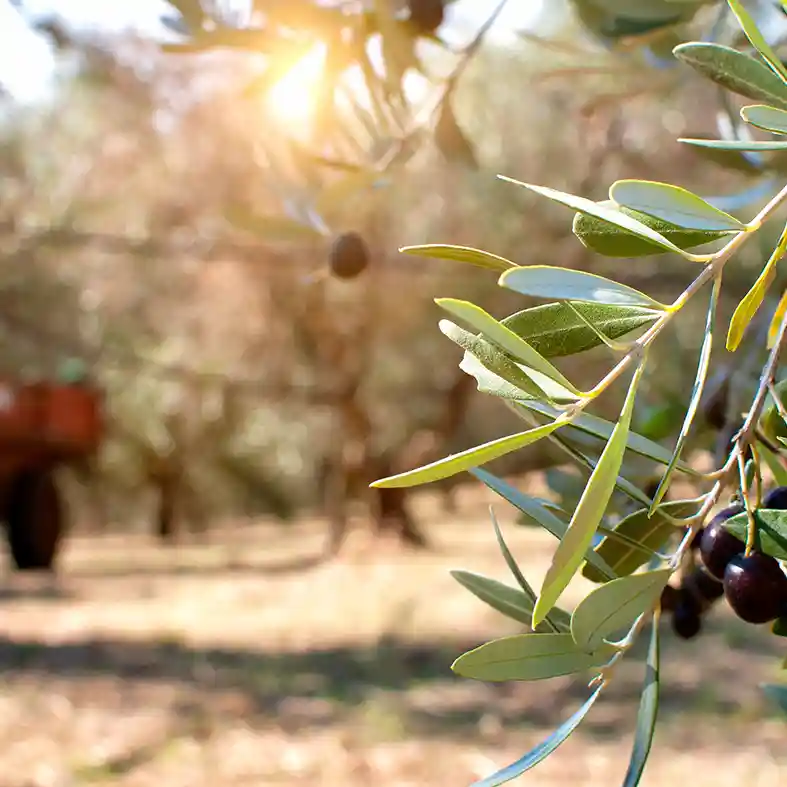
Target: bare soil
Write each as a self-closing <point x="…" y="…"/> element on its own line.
<point x="243" y="660"/>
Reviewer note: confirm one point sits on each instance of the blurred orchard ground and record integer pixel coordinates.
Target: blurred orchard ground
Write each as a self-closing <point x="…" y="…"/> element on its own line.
<point x="250" y="395"/>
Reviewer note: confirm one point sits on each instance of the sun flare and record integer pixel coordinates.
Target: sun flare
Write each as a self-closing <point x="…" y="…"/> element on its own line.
<point x="292" y="100"/>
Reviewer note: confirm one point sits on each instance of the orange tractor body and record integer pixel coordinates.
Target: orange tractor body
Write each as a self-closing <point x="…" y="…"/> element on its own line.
<point x="42" y="426"/>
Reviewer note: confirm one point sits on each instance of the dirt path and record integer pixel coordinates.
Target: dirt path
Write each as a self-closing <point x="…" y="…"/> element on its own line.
<point x="144" y="667"/>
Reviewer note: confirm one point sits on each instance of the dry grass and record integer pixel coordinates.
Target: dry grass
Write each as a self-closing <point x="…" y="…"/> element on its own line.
<point x="239" y="663"/>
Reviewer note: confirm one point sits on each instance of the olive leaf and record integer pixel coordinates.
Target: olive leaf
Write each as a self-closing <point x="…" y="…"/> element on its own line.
<point x="506" y="339"/>
<point x="512" y="602"/>
<point x="549" y="623"/>
<point x="771" y="535"/>
<point x="571" y="551"/>
<point x="757" y="39"/>
<point x="543" y="750"/>
<point x="553" y="524"/>
<point x="491" y="358"/>
<point x="696" y="395"/>
<point x="608" y="239"/>
<point x="672" y="204"/>
<point x="546" y="281"/>
<point x="736" y="71"/>
<point x="648" y="712"/>
<point x="765" y="117"/>
<point x="529" y="657"/>
<point x="465" y="460"/>
<point x="621" y="220"/>
<point x="751" y="302"/>
<point x="646" y="533"/>
<point x="442" y="251"/>
<point x="449" y="138"/>
<point x="736" y="144"/>
<point x="557" y="329"/>
<point x="615" y="605"/>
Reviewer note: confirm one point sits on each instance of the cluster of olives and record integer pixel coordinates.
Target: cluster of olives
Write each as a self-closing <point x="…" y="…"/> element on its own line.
<point x="754" y="586"/>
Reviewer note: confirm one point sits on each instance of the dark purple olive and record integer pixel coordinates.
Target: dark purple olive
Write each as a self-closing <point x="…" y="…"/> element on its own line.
<point x="718" y="546"/>
<point x="776" y="498"/>
<point x="755" y="588"/>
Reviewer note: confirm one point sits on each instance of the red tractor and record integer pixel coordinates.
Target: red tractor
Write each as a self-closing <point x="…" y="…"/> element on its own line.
<point x="42" y="425"/>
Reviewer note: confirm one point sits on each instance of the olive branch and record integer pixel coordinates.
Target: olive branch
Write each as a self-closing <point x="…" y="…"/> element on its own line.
<point x="634" y="561"/>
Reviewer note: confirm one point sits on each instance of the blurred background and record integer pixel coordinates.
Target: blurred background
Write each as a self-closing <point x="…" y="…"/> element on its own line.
<point x="231" y="604"/>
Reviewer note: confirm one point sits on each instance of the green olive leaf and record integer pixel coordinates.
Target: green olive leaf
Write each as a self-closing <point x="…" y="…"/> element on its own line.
<point x="649" y="532"/>
<point x="736" y="71"/>
<point x="757" y="39"/>
<point x="751" y="302"/>
<point x="512" y="602"/>
<point x="504" y="338"/>
<point x="741" y="145"/>
<point x="648" y="712"/>
<point x="481" y="259"/>
<point x="539" y="513"/>
<point x="673" y="204"/>
<point x="546" y="281"/>
<point x="491" y="358"/>
<point x="570" y="553"/>
<point x="608" y="239"/>
<point x="543" y="750"/>
<point x="621" y="220"/>
<point x="465" y="460"/>
<point x="696" y="395"/>
<point x="555" y="329"/>
<point x="765" y="117"/>
<point x="529" y="657"/>
<point x="771" y="536"/>
<point x="600" y="427"/>
<point x="548" y="624"/>
<point x="615" y="605"/>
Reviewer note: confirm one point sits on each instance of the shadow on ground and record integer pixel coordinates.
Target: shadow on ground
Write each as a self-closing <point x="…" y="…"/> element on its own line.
<point x="322" y="687"/>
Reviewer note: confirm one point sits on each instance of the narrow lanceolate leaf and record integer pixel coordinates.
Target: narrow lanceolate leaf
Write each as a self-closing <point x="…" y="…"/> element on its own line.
<point x="765" y="117"/>
<point x="609" y="240"/>
<point x="743" y="145"/>
<point x="509" y="601"/>
<point x="555" y="329"/>
<point x="771" y="531"/>
<point x="757" y="39"/>
<point x="615" y="605"/>
<point x="776" y="320"/>
<point x="777" y="694"/>
<point x="548" y="624"/>
<point x="553" y="524"/>
<point x="648" y="712"/>
<point x="566" y="284"/>
<point x="696" y="396"/>
<point x="491" y="383"/>
<point x="505" y="338"/>
<point x="673" y="204"/>
<point x="600" y="427"/>
<point x="529" y="657"/>
<point x="543" y="750"/>
<point x="650" y="533"/>
<point x="571" y="551"/>
<point x="747" y="308"/>
<point x="481" y="259"/>
<point x="491" y="357"/>
<point x="626" y="223"/>
<point x="736" y="71"/>
<point x="473" y="457"/>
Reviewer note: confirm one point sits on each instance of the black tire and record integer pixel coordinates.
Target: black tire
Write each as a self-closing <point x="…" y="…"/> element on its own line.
<point x="35" y="521"/>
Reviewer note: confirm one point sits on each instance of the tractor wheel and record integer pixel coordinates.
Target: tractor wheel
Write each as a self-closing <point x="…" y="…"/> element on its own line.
<point x="35" y="520"/>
